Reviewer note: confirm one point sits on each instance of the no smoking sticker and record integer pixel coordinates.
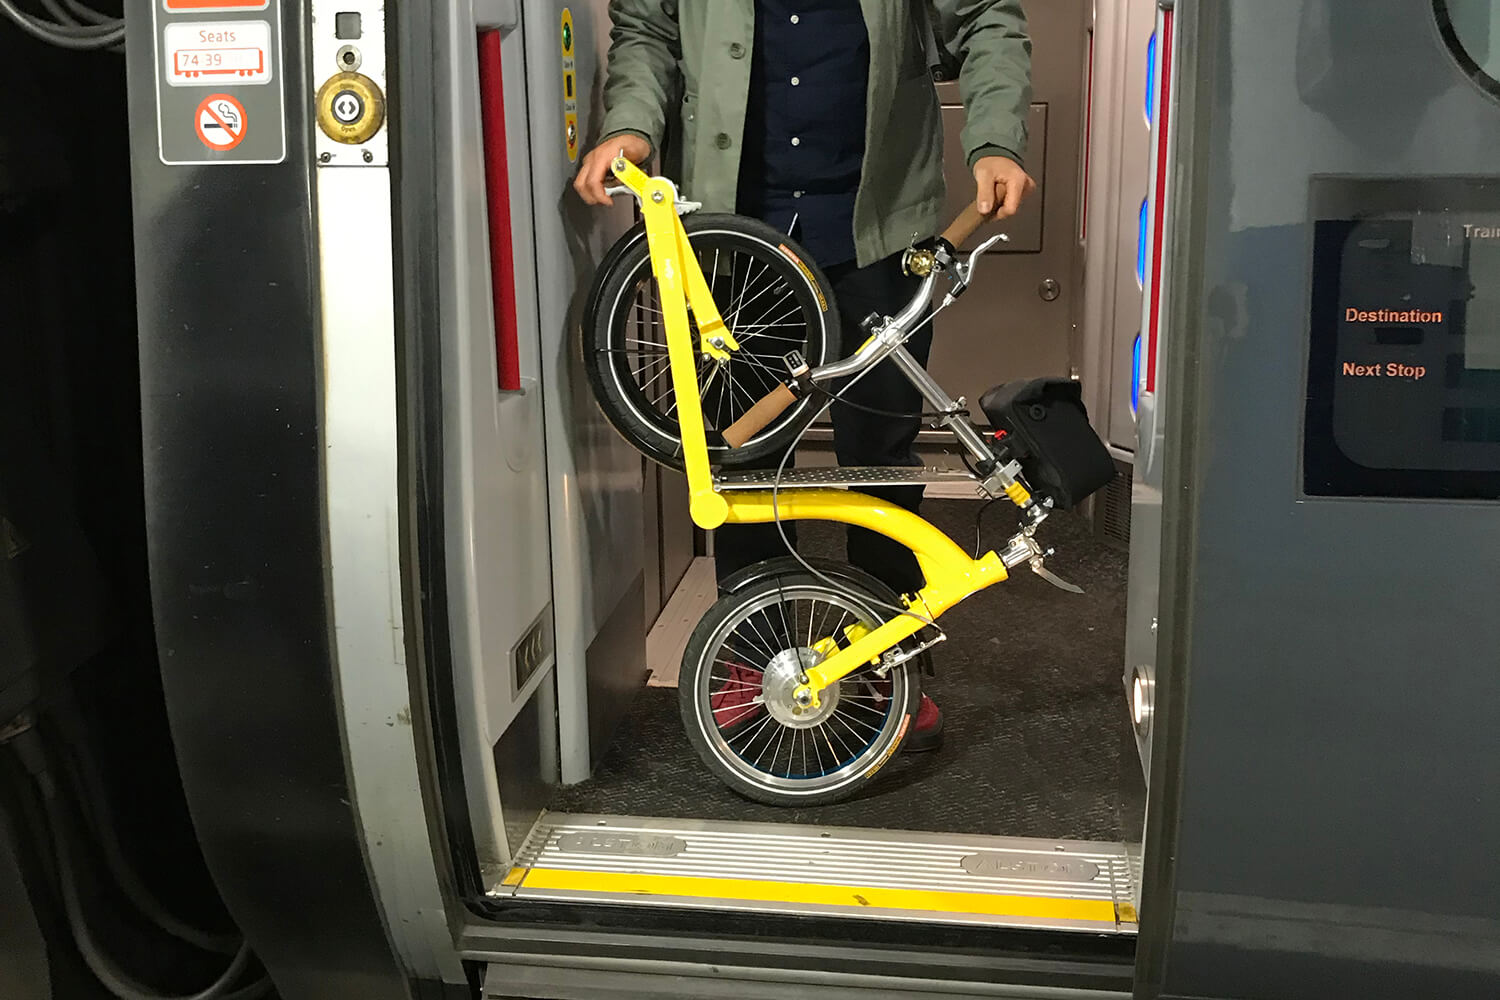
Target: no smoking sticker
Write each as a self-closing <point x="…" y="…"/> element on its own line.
<point x="220" y="121"/>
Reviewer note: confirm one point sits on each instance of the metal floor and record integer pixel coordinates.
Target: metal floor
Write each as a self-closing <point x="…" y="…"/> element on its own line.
<point x="809" y="870"/>
<point x="1036" y="740"/>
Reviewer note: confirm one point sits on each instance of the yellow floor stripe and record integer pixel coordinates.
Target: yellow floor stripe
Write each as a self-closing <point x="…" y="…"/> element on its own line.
<point x="751" y="890"/>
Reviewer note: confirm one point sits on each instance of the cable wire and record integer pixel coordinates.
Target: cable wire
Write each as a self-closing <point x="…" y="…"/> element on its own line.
<point x="876" y="411"/>
<point x="97" y="814"/>
<point x="89" y="14"/>
<point x="78" y="13"/>
<point x="110" y="976"/>
<point x="68" y="35"/>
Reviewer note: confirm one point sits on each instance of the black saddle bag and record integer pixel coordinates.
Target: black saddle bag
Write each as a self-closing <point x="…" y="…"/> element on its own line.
<point x="1047" y="430"/>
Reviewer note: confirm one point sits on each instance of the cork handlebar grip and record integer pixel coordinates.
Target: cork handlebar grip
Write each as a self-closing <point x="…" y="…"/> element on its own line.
<point x="758" y="416"/>
<point x="961" y="228"/>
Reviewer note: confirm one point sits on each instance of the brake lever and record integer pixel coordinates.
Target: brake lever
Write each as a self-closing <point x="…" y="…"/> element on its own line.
<point x="963" y="270"/>
<point x="1041" y="570"/>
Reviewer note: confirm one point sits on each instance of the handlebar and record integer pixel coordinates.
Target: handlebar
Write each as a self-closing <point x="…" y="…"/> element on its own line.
<point x="762" y="413"/>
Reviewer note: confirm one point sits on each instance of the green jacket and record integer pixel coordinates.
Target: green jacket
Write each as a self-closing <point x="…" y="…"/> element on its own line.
<point x="696" y="53"/>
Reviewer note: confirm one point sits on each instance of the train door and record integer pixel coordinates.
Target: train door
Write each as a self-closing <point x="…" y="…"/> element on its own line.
<point x="1326" y="695"/>
<point x="1052" y="840"/>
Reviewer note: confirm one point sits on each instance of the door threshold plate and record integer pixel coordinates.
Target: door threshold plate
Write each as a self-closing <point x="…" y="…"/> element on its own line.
<point x="826" y="871"/>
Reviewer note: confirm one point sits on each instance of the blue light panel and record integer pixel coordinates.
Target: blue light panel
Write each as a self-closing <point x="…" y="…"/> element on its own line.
<point x="1141" y="240"/>
<point x="1151" y="79"/>
<point x="1135" y="375"/>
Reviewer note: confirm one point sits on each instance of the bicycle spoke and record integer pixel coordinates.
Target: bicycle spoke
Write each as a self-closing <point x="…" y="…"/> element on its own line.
<point x="771" y="286"/>
<point x="774" y="305"/>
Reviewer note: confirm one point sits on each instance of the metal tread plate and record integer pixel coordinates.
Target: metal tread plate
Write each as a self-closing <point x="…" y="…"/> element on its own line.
<point x="835" y="476"/>
<point x="787" y="868"/>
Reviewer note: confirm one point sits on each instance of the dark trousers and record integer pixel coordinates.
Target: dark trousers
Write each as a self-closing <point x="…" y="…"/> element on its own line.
<point x="859" y="438"/>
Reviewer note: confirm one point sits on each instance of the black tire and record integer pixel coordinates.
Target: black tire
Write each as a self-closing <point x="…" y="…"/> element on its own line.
<point x="743" y="624"/>
<point x="624" y="348"/>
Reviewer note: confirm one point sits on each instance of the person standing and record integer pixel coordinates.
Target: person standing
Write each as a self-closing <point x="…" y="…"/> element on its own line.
<point x="821" y="118"/>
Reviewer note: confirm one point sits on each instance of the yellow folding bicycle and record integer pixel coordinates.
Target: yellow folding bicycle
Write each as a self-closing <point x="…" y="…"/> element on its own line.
<point x="802" y="681"/>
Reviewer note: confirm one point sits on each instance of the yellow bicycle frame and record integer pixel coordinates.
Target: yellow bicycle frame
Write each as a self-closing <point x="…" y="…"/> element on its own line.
<point x="951" y="574"/>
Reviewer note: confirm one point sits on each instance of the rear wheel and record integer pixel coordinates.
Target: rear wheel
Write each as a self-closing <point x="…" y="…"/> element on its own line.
<point x="774" y="301"/>
<point x="742" y="664"/>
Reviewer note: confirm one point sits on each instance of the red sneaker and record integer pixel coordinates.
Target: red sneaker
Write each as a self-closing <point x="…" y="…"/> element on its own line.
<point x="734" y="703"/>
<point x="927" y="733"/>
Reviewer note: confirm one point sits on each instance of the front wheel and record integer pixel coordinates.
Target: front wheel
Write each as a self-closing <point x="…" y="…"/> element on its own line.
<point x="774" y="301"/>
<point x="741" y="666"/>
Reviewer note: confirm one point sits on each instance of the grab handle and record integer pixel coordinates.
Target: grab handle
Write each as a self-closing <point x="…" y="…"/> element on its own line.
<point x="967" y="223"/>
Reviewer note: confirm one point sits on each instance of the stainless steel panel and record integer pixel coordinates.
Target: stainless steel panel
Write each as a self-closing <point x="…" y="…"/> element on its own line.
<point x="364" y="560"/>
<point x="566" y="977"/>
<point x="594" y="477"/>
<point x="773" y="854"/>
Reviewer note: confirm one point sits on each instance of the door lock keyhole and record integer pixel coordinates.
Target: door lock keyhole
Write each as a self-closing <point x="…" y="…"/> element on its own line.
<point x="1049" y="290"/>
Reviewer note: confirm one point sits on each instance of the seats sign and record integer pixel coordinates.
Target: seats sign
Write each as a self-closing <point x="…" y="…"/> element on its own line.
<point x="211" y="45"/>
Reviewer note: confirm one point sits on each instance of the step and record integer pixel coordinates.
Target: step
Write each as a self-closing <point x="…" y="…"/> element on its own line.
<point x="838" y="871"/>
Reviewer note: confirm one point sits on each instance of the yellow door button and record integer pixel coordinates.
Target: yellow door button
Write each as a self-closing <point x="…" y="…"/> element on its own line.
<point x="351" y="108"/>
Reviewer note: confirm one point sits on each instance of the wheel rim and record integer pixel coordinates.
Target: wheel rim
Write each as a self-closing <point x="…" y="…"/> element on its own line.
<point x="765" y="302"/>
<point x="743" y="697"/>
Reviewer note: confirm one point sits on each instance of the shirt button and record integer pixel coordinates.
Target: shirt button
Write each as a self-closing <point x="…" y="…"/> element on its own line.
<point x="796" y="18"/>
<point x="796" y="81"/>
<point x="722" y="140"/>
<point x="796" y="194"/>
<point x="736" y="50"/>
<point x="796" y="141"/>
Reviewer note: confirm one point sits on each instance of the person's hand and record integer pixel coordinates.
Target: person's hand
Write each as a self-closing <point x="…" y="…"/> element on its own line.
<point x="1000" y="185"/>
<point x="591" y="175"/>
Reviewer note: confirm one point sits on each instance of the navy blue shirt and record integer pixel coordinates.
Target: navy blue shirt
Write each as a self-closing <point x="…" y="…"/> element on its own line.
<point x="804" y="137"/>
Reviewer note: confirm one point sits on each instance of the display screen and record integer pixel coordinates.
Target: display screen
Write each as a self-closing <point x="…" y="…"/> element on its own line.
<point x="1403" y="391"/>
